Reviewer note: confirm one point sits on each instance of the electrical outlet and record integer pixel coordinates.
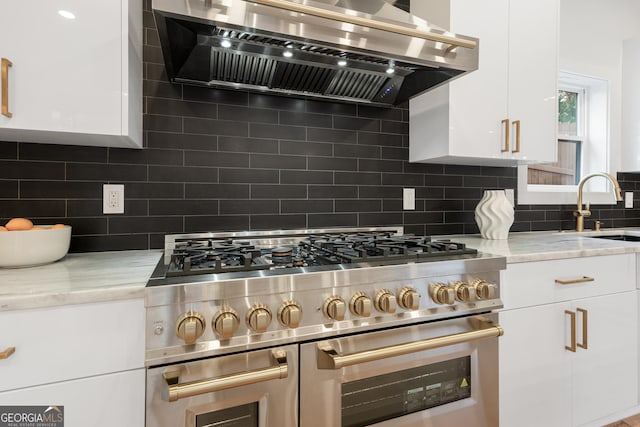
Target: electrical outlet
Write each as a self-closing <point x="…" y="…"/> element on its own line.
<point x="628" y="199"/>
<point x="409" y="199"/>
<point x="113" y="199"/>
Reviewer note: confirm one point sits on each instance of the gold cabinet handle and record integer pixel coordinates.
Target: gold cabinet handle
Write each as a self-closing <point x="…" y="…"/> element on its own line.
<point x="583" y="279"/>
<point x="572" y="315"/>
<point x="516" y="123"/>
<point x="357" y="20"/>
<point x="5" y="87"/>
<point x="174" y="391"/>
<point x="585" y="323"/>
<point x="505" y="122"/>
<point x="330" y="359"/>
<point x="7" y="353"/>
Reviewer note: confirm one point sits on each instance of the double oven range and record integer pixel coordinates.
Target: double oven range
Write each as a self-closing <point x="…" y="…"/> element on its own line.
<point x="336" y="327"/>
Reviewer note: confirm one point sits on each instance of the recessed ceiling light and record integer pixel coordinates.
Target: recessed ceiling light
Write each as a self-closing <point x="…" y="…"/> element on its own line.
<point x="342" y="62"/>
<point x="287" y="54"/>
<point x="225" y="43"/>
<point x="390" y="70"/>
<point x="66" y="14"/>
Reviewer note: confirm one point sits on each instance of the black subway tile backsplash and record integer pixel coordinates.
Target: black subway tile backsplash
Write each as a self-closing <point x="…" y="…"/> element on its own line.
<point x="183" y="207"/>
<point x="31" y="170"/>
<point x="228" y="175"/>
<point x="229" y="160"/>
<point x="247" y="145"/>
<point x="8" y="150"/>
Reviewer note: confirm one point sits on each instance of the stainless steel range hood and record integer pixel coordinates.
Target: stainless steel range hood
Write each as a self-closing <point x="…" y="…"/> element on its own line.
<point x="364" y="51"/>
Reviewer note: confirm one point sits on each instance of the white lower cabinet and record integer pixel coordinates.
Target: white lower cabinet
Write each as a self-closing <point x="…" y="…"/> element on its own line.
<point x="88" y="358"/>
<point x="100" y="401"/>
<point x="543" y="382"/>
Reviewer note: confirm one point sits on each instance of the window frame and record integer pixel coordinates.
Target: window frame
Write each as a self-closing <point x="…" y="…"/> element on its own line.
<point x="537" y="194"/>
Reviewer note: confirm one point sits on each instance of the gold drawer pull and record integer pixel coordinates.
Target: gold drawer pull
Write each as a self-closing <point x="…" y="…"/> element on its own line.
<point x="583" y="279"/>
<point x="328" y="358"/>
<point x="5" y="87"/>
<point x="7" y="353"/>
<point x="174" y="390"/>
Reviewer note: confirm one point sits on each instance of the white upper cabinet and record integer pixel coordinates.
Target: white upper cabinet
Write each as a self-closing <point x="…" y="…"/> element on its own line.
<point x="504" y="113"/>
<point x="74" y="79"/>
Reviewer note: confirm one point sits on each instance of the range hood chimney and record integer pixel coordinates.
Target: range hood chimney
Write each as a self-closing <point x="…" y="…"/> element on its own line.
<point x="359" y="51"/>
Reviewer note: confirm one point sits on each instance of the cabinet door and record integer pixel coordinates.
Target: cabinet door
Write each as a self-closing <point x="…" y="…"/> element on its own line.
<point x="605" y="374"/>
<point x="67" y="73"/>
<point x="533" y="77"/>
<point x="478" y="101"/>
<point x="102" y="401"/>
<point x="61" y="343"/>
<point x="535" y="368"/>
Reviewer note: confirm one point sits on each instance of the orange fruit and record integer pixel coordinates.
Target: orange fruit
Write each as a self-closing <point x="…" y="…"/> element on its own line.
<point x="16" y="224"/>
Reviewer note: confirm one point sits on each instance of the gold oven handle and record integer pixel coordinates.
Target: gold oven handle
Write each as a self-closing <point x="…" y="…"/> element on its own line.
<point x="7" y="353"/>
<point x="5" y="87"/>
<point x="583" y="279"/>
<point x="330" y="359"/>
<point x="174" y="391"/>
<point x="357" y="20"/>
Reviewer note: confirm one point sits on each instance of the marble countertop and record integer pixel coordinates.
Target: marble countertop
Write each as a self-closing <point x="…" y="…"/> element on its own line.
<point x="78" y="278"/>
<point x="548" y="245"/>
<point x="108" y="276"/>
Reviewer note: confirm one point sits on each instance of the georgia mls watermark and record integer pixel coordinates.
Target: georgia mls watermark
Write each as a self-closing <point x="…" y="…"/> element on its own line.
<point x="31" y="416"/>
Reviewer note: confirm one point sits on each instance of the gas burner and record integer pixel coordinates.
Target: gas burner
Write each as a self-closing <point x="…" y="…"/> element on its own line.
<point x="222" y="255"/>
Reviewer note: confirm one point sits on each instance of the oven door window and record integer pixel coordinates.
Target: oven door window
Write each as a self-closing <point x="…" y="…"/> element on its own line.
<point x="393" y="395"/>
<point x="238" y="416"/>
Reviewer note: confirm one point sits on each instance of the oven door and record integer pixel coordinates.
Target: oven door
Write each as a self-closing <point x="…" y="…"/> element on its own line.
<point x="431" y="374"/>
<point x="252" y="389"/>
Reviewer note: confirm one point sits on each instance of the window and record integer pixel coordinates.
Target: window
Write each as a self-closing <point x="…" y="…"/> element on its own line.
<point x="567" y="170"/>
<point x="582" y="145"/>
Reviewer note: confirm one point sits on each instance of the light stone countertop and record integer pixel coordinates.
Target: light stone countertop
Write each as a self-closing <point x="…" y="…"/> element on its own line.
<point x="109" y="276"/>
<point x="77" y="279"/>
<point x="549" y="245"/>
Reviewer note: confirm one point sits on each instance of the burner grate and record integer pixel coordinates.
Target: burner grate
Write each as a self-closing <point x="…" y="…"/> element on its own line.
<point x="213" y="256"/>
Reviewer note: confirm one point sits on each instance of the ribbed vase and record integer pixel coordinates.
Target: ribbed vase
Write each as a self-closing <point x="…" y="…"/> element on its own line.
<point x="494" y="215"/>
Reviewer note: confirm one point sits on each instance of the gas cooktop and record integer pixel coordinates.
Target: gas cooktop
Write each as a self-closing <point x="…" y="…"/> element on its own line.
<point x="219" y="253"/>
<point x="218" y="293"/>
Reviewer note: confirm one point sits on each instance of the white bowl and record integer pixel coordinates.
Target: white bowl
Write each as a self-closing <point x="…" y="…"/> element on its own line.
<point x="33" y="247"/>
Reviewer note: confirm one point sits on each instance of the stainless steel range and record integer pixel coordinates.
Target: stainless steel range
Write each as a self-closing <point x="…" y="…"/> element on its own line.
<point x="337" y="327"/>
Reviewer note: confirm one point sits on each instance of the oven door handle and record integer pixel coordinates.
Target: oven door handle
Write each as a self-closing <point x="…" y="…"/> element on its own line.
<point x="174" y="391"/>
<point x="328" y="358"/>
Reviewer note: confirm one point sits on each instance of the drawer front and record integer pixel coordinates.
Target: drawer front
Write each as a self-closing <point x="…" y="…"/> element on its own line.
<point x="62" y="343"/>
<point x="101" y="401"/>
<point x="544" y="282"/>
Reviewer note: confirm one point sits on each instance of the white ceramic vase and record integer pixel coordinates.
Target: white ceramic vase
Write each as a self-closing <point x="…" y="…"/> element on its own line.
<point x="494" y="215"/>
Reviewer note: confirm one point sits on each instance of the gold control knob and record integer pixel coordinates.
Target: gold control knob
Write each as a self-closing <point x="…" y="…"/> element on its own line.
<point x="360" y="304"/>
<point x="225" y="322"/>
<point x="441" y="293"/>
<point x="290" y="314"/>
<point x="190" y="326"/>
<point x="258" y="318"/>
<point x="463" y="291"/>
<point x="385" y="301"/>
<point x="334" y="307"/>
<point x="409" y="298"/>
<point x="484" y="289"/>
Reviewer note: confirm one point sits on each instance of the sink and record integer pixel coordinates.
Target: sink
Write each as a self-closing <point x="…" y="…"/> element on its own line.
<point x="625" y="237"/>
